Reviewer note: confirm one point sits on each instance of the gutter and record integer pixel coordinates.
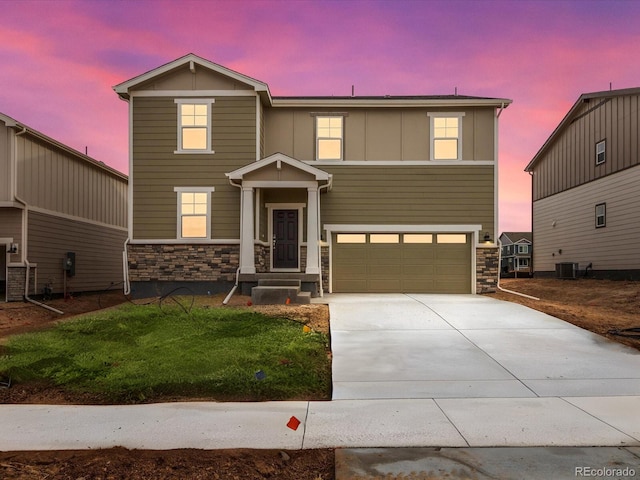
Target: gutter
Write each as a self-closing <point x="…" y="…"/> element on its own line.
<point x="235" y="287"/>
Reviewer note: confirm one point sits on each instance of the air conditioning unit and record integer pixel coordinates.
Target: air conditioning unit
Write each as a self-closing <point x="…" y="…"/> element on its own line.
<point x="567" y="270"/>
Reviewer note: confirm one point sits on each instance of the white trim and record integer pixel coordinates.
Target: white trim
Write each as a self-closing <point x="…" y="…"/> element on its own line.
<point x="271" y="207"/>
<point x="432" y="138"/>
<point x="186" y="241"/>
<point x="195" y="101"/>
<point x="400" y="163"/>
<point x="332" y="102"/>
<point x="496" y="185"/>
<point x="279" y="184"/>
<point x="194" y="93"/>
<point x="180" y="190"/>
<point x="258" y="128"/>
<point x="74" y="218"/>
<point x="123" y="88"/>
<point x="239" y="173"/>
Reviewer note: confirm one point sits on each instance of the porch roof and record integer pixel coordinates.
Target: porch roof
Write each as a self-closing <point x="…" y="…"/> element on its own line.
<point x="278" y="160"/>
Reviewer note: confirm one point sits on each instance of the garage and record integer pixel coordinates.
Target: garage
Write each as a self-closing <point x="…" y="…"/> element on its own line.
<point x="401" y="262"/>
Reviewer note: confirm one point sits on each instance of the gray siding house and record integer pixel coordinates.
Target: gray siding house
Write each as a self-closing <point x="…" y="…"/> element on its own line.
<point x="515" y="256"/>
<point x="62" y="216"/>
<point x="586" y="188"/>
<point x="345" y="194"/>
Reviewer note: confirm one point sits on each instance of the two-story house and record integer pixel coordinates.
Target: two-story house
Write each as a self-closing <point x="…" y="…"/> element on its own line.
<point x="63" y="217"/>
<point x="515" y="256"/>
<point x="346" y="194"/>
<point x="585" y="187"/>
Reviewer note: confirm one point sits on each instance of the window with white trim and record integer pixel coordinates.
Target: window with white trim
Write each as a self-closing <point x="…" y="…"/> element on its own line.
<point x="194" y="212"/>
<point x="446" y="136"/>
<point x="601" y="215"/>
<point x="523" y="248"/>
<point x="601" y="152"/>
<point x="194" y="126"/>
<point x="329" y="137"/>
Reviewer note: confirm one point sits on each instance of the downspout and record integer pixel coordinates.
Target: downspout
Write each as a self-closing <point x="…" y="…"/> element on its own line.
<point x="125" y="269"/>
<point x="25" y="229"/>
<point x="328" y="187"/>
<point x="499" y="267"/>
<point x="235" y="287"/>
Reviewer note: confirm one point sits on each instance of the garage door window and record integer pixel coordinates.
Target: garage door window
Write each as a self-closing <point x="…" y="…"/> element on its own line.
<point x="384" y="238"/>
<point x="417" y="238"/>
<point x="351" y="238"/>
<point x="452" y="238"/>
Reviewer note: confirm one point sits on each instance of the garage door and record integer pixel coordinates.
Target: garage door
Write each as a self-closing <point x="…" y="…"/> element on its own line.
<point x="401" y="263"/>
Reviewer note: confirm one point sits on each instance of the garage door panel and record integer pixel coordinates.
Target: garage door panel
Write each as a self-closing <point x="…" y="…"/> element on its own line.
<point x="400" y="267"/>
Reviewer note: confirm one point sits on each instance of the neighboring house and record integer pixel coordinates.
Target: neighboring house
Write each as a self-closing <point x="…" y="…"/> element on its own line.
<point x="586" y="189"/>
<point x="346" y="194"/>
<point x="515" y="257"/>
<point x="62" y="217"/>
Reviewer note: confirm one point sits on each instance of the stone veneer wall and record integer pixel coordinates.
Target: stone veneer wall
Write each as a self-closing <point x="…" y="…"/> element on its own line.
<point x="324" y="257"/>
<point x="183" y="262"/>
<point x="486" y="270"/>
<point x="15" y="282"/>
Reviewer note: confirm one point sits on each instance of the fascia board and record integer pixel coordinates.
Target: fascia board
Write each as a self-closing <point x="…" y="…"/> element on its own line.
<point x="381" y="103"/>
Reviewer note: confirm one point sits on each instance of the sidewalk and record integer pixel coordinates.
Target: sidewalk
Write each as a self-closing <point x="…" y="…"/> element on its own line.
<point x="486" y="422"/>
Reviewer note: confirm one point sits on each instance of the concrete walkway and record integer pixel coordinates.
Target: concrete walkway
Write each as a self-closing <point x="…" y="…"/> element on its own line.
<point x="477" y="373"/>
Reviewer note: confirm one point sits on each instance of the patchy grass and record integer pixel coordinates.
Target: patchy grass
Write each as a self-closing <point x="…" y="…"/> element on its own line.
<point x="144" y="353"/>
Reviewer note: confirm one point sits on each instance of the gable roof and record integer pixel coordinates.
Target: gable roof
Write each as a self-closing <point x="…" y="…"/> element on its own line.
<point x="122" y="89"/>
<point x="515" y="237"/>
<point x="277" y="158"/>
<point x="12" y="123"/>
<point x="571" y="115"/>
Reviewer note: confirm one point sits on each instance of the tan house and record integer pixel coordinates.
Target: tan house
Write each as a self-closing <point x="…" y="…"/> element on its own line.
<point x="586" y="190"/>
<point x="62" y="217"/>
<point x="344" y="194"/>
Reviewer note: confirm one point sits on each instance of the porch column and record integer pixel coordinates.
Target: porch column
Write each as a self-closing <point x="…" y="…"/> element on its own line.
<point x="313" y="259"/>
<point x="247" y="255"/>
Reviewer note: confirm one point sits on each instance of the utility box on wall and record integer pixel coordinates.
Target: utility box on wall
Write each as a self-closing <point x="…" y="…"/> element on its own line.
<point x="69" y="264"/>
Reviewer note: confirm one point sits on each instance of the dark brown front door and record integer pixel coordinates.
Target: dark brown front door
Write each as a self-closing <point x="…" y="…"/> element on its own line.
<point x="285" y="239"/>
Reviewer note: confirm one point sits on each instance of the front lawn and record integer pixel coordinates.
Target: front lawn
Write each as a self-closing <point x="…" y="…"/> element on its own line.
<point x="144" y="353"/>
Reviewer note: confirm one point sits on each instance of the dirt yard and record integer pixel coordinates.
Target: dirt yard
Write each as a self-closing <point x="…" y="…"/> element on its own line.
<point x="599" y="306"/>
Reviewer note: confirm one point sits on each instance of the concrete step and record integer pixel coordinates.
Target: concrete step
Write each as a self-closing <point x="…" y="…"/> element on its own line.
<point x="278" y="282"/>
<point x="278" y="295"/>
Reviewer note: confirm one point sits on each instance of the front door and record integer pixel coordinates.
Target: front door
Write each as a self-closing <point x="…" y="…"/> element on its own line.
<point x="285" y="239"/>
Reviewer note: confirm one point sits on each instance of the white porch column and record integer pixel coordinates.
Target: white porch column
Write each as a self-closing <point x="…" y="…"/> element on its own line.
<point x="313" y="258"/>
<point x="247" y="256"/>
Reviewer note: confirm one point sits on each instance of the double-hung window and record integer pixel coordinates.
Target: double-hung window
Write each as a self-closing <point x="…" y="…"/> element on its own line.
<point x="446" y="136"/>
<point x="194" y="125"/>
<point x="194" y="212"/>
<point x="523" y="249"/>
<point x="601" y="215"/>
<point x="601" y="152"/>
<point x="329" y="137"/>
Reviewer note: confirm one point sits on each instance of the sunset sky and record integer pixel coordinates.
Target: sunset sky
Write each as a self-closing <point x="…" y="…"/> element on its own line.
<point x="60" y="60"/>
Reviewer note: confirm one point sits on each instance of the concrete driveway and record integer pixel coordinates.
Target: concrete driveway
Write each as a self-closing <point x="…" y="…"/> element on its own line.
<point x="467" y="346"/>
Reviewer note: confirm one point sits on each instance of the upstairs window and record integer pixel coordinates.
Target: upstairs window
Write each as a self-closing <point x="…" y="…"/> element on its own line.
<point x="329" y="138"/>
<point x="601" y="148"/>
<point x="194" y="213"/>
<point x="194" y="126"/>
<point x="601" y="215"/>
<point x="446" y="135"/>
<point x="523" y="248"/>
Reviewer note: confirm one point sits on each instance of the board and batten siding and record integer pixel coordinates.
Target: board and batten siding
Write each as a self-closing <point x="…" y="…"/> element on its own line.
<point x="98" y="252"/>
<point x="437" y="195"/>
<point x="613" y="247"/>
<point x="5" y="164"/>
<point x="11" y="227"/>
<point x="157" y="169"/>
<point x="376" y="134"/>
<point x="56" y="181"/>
<point x="570" y="160"/>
